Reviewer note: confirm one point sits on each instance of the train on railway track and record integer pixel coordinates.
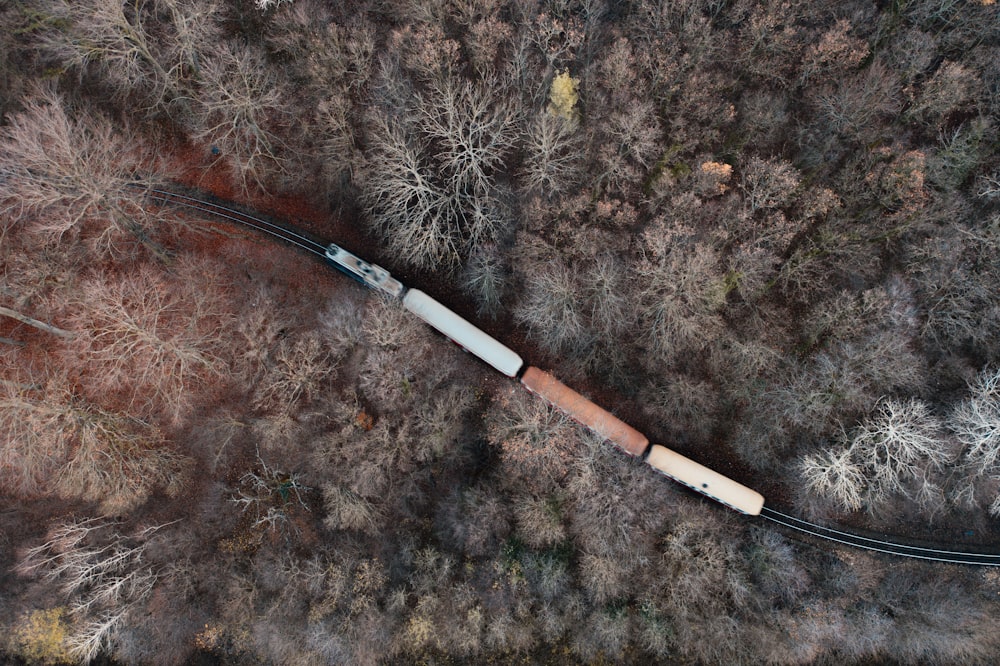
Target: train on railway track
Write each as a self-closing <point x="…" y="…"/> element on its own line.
<point x="606" y="425"/>
<point x="506" y="361"/>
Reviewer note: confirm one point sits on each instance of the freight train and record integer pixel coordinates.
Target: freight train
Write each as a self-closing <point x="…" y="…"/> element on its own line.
<point x="506" y="361"/>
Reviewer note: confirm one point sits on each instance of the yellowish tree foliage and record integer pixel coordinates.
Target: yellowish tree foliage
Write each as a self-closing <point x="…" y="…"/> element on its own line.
<point x="40" y="637"/>
<point x="564" y="95"/>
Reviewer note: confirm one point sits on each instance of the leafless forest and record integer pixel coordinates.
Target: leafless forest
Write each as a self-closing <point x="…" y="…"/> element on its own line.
<point x="765" y="233"/>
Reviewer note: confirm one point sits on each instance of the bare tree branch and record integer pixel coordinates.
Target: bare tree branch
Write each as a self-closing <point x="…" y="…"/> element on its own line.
<point x="40" y="325"/>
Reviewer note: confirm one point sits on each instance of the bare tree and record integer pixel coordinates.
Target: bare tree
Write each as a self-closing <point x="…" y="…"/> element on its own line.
<point x="552" y="309"/>
<point x="606" y="286"/>
<point x="604" y="577"/>
<point x="472" y="127"/>
<point x="149" y="338"/>
<point x="387" y="325"/>
<point x="958" y="155"/>
<point x="488" y="35"/>
<point x="534" y="440"/>
<point x="269" y="498"/>
<point x="266" y="5"/>
<point x="417" y="216"/>
<point x="143" y="51"/>
<point x="100" y="572"/>
<point x="35" y="441"/>
<point x="836" y="53"/>
<point x="346" y="510"/>
<point x="835" y="475"/>
<point x="952" y="87"/>
<point x="976" y="421"/>
<point x="74" y="177"/>
<point x="852" y="106"/>
<point x="118" y="461"/>
<point x="631" y="146"/>
<point x="680" y="293"/>
<point x="239" y="110"/>
<point x="298" y="370"/>
<point x="555" y="38"/>
<point x="88" y="641"/>
<point x="768" y="184"/>
<point x="552" y="161"/>
<point x="539" y="520"/>
<point x="56" y="443"/>
<point x="895" y="441"/>
<point x="892" y="452"/>
<point x="989" y="186"/>
<point x="954" y="273"/>
<point x="431" y="179"/>
<point x="485" y="278"/>
<point x="438" y="422"/>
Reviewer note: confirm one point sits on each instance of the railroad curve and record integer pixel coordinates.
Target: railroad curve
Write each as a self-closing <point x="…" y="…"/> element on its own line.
<point x="880" y="545"/>
<point x="291" y="236"/>
<point x="303" y="241"/>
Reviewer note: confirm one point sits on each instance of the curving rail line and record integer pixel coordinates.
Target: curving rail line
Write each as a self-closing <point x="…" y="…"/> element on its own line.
<point x="270" y="228"/>
<point x="880" y="545"/>
<point x="297" y="239"/>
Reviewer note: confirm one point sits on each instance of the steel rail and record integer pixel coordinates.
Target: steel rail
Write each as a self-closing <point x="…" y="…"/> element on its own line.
<point x="213" y="204"/>
<point x="767" y="513"/>
<point x="239" y="217"/>
<point x="877" y="545"/>
<point x="868" y="539"/>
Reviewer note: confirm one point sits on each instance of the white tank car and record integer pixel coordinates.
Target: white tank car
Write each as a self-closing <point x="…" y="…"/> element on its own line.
<point x="467" y="336"/>
<point x="705" y="481"/>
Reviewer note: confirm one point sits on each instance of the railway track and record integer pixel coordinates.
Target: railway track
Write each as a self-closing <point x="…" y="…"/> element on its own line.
<point x="880" y="545"/>
<point x="291" y="236"/>
<point x="297" y="238"/>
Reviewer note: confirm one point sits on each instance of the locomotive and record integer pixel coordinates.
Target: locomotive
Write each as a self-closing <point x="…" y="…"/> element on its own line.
<point x="367" y="274"/>
<point x="506" y="361"/>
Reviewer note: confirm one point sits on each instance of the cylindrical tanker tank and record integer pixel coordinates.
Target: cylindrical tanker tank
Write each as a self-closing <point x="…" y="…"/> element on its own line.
<point x="704" y="480"/>
<point x="598" y="419"/>
<point x="467" y="336"/>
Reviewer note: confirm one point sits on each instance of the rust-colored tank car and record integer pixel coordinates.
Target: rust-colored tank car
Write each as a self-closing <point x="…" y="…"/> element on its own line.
<point x="601" y="421"/>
